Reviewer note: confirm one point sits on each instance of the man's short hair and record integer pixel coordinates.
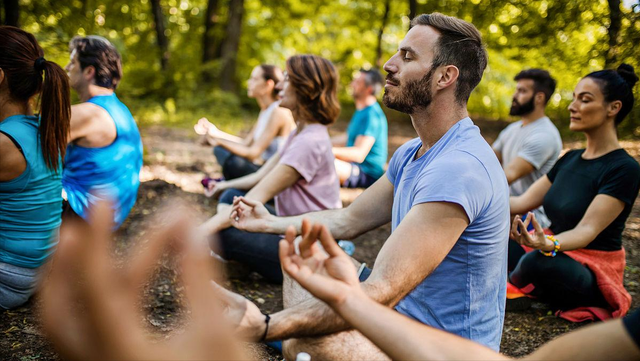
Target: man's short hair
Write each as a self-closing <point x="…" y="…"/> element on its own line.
<point x="460" y="44"/>
<point x="542" y="82"/>
<point x="373" y="78"/>
<point x="98" y="52"/>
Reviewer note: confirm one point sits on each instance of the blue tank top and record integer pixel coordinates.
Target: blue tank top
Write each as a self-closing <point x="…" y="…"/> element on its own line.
<point x="111" y="172"/>
<point x="30" y="205"/>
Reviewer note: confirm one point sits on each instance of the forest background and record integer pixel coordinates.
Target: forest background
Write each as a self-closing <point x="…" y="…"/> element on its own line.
<point x="184" y="59"/>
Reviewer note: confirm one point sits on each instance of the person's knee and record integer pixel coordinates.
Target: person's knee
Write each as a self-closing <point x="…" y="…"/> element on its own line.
<point x="228" y="195"/>
<point x="290" y="349"/>
<point x="535" y="263"/>
<point x="346" y="345"/>
<point x="313" y="346"/>
<point x="13" y="301"/>
<point x="229" y="241"/>
<point x="221" y="154"/>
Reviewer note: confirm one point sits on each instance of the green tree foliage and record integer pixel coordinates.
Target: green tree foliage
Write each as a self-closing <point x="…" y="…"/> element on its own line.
<point x="569" y="38"/>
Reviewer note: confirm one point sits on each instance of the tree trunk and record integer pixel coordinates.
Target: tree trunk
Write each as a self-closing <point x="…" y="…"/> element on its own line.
<point x="11" y="13"/>
<point x="208" y="38"/>
<point x="615" y="22"/>
<point x="163" y="42"/>
<point x="378" y="62"/>
<point x="413" y="9"/>
<point x="230" y="45"/>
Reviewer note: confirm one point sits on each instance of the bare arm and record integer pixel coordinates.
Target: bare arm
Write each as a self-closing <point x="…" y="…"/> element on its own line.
<point x="499" y="155"/>
<point x="532" y="198"/>
<point x="279" y="179"/>
<point x="208" y="129"/>
<point x="339" y="140"/>
<point x="332" y="279"/>
<point x="336" y="283"/>
<point x="517" y="169"/>
<point x="358" y="152"/>
<point x="370" y="210"/>
<point x="279" y="119"/>
<point x="12" y="162"/>
<point x="249" y="181"/>
<point x="91" y="126"/>
<point x="80" y="121"/>
<point x="609" y="340"/>
<point x="275" y="181"/>
<point x="601" y="212"/>
<point x="405" y="339"/>
<point x="396" y="273"/>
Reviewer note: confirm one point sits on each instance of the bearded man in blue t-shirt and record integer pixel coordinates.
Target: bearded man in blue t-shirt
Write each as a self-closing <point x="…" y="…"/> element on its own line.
<point x="447" y="199"/>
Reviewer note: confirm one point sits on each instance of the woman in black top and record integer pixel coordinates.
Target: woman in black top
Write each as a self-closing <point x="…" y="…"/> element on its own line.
<point x="588" y="196"/>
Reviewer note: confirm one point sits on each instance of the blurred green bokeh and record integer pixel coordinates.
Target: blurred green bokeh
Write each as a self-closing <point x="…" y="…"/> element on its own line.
<point x="568" y="38"/>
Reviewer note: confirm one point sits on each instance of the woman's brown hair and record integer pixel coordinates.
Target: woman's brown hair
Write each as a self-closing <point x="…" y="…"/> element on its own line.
<point x="272" y="72"/>
<point x="315" y="82"/>
<point x="23" y="63"/>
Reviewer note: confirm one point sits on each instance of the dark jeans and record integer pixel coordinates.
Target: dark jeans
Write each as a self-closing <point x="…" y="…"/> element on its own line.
<point x="358" y="178"/>
<point x="559" y="281"/>
<point x="233" y="166"/>
<point x="258" y="251"/>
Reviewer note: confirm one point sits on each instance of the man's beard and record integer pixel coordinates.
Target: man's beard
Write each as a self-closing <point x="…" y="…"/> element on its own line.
<point x="522" y="109"/>
<point x="414" y="94"/>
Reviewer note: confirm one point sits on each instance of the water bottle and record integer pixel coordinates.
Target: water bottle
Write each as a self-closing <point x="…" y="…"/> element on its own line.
<point x="347" y="246"/>
<point x="303" y="356"/>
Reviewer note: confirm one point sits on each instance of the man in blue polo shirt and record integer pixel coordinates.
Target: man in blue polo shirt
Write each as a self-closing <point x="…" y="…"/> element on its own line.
<point x="361" y="153"/>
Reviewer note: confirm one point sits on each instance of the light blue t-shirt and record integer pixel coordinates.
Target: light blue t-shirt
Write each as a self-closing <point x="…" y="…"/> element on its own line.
<point x="370" y="121"/>
<point x="466" y="293"/>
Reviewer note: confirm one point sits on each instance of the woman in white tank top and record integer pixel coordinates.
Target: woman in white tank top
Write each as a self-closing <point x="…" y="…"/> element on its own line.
<point x="237" y="156"/>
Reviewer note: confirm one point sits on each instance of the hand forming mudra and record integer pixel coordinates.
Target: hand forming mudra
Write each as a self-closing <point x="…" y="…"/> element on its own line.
<point x="535" y="239"/>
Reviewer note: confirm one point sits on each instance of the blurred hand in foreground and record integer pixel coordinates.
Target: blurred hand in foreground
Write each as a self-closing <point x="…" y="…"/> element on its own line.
<point x="91" y="306"/>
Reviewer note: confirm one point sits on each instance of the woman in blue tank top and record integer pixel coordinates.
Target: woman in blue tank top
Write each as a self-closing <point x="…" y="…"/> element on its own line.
<point x="30" y="162"/>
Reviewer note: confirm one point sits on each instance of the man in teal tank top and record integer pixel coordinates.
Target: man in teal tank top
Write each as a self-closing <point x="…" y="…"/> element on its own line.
<point x="361" y="153"/>
<point x="104" y="155"/>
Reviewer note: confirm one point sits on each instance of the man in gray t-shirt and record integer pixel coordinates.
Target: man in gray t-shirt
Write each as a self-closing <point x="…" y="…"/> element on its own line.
<point x="529" y="148"/>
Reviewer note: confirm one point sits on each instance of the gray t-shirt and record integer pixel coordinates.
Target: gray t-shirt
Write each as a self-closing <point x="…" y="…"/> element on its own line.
<point x="538" y="143"/>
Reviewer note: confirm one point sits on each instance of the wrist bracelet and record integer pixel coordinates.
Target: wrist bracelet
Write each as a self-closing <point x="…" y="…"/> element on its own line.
<point x="556" y="246"/>
<point x="266" y="329"/>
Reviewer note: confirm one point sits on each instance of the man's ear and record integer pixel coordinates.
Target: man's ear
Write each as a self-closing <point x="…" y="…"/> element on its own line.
<point x="371" y="90"/>
<point x="89" y="73"/>
<point x="540" y="98"/>
<point x="1" y="77"/>
<point x="447" y="76"/>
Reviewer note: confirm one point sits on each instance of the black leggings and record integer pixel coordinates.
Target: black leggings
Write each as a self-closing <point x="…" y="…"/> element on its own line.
<point x="258" y="251"/>
<point x="233" y="166"/>
<point x="560" y="281"/>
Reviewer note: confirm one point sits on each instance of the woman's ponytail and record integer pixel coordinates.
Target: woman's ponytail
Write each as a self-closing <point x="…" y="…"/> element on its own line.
<point x="55" y="114"/>
<point x="23" y="63"/>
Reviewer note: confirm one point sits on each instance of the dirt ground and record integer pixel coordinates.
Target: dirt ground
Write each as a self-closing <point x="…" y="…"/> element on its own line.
<point x="174" y="165"/>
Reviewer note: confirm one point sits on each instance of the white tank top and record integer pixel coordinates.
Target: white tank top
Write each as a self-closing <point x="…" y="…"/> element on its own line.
<point x="261" y="126"/>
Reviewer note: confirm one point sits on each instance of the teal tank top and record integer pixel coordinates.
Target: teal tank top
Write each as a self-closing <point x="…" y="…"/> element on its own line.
<point x="111" y="172"/>
<point x="30" y="205"/>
